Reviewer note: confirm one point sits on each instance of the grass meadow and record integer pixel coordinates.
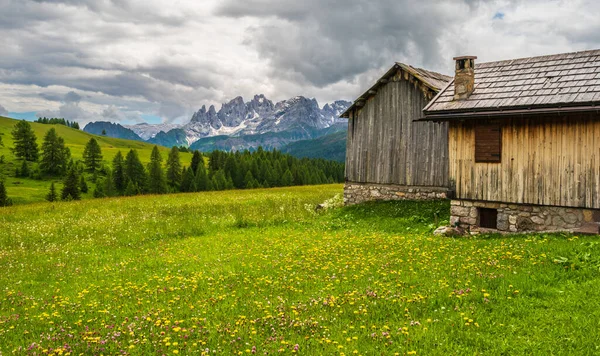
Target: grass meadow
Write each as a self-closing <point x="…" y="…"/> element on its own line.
<point x="261" y="272"/>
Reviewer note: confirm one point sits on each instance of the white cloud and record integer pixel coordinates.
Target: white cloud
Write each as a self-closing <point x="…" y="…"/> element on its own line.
<point x="94" y="60"/>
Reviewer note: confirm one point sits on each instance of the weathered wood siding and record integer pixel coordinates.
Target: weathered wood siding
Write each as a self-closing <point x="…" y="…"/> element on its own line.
<point x="545" y="161"/>
<point x="385" y="146"/>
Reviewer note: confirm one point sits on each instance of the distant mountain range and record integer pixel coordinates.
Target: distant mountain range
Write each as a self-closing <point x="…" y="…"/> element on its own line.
<point x="240" y="125"/>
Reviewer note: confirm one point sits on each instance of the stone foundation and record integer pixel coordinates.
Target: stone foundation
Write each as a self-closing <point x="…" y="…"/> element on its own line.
<point x="356" y="193"/>
<point x="522" y="218"/>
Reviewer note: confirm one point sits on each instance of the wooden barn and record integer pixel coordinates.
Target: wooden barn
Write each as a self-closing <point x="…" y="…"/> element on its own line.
<point x="524" y="142"/>
<point x="389" y="156"/>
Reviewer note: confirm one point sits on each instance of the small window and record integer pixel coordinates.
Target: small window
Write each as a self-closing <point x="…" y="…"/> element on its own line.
<point x="488" y="218"/>
<point x="488" y="143"/>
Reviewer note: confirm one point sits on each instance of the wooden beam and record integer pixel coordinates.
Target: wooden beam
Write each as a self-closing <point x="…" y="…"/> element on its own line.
<point x="372" y="92"/>
<point x="360" y="103"/>
<point x="383" y="81"/>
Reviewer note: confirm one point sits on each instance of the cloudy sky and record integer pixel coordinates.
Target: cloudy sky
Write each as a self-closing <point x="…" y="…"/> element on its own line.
<point x="161" y="60"/>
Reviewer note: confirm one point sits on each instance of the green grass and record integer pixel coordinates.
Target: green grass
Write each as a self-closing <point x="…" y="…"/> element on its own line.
<point x="29" y="190"/>
<point x="229" y="271"/>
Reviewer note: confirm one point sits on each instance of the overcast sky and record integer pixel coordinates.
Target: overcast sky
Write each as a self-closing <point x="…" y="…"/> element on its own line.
<point x="134" y="60"/>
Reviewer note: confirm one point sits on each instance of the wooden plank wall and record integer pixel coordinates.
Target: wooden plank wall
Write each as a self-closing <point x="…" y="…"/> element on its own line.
<point x="545" y="161"/>
<point x="385" y="146"/>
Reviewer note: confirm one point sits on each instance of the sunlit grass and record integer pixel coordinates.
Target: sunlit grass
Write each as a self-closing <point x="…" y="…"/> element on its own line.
<point x="260" y="271"/>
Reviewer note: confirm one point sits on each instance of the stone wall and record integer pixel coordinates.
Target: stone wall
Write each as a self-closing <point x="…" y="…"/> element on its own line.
<point x="522" y="218"/>
<point x="356" y="193"/>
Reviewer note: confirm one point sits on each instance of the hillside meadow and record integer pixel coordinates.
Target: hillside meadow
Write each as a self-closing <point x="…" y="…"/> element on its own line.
<point x="23" y="190"/>
<point x="262" y="272"/>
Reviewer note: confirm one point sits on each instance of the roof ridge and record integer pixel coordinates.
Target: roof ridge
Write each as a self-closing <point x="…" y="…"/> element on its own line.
<point x="545" y="56"/>
<point x="447" y="77"/>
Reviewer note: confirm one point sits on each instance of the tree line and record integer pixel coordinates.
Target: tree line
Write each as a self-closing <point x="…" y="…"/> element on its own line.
<point x="127" y="175"/>
<point x="58" y="121"/>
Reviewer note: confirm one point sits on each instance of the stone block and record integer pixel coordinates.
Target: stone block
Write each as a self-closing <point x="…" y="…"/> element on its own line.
<point x="455" y="202"/>
<point x="502" y="225"/>
<point x="525" y="224"/>
<point x="538" y="220"/>
<point x="468" y="221"/>
<point x="570" y="218"/>
<point x="454" y="220"/>
<point x="459" y="210"/>
<point x="512" y="219"/>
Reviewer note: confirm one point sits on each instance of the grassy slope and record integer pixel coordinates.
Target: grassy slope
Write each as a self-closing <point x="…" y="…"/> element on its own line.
<point x="28" y="190"/>
<point x="231" y="270"/>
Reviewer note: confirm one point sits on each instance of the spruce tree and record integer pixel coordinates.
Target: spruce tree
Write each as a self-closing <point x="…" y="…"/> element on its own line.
<point x="24" y="171"/>
<point x="52" y="195"/>
<point x="188" y="183"/>
<point x="156" y="177"/>
<point x="118" y="175"/>
<point x="287" y="179"/>
<point x="99" y="190"/>
<point x="92" y="155"/>
<point x="131" y="189"/>
<point x="25" y="142"/>
<point x="196" y="161"/>
<point x="70" y="189"/>
<point x="201" y="179"/>
<point x="54" y="154"/>
<point x="108" y="186"/>
<point x="134" y="171"/>
<point x="4" y="199"/>
<point x="83" y="187"/>
<point x="249" y="180"/>
<point x="174" y="168"/>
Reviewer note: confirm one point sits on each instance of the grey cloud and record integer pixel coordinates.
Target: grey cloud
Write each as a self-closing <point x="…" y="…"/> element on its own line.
<point x="3" y="111"/>
<point x="327" y="41"/>
<point x="72" y="97"/>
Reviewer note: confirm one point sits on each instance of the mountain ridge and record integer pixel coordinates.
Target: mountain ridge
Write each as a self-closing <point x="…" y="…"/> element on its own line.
<point x="267" y="124"/>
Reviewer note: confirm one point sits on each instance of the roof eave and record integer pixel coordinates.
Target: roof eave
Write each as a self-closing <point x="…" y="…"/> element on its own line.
<point x="497" y="112"/>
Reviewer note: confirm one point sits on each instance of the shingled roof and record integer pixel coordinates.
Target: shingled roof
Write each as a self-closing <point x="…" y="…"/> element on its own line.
<point x="432" y="80"/>
<point x="568" y="82"/>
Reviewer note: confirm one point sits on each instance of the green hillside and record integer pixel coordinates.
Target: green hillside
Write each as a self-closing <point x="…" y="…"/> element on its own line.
<point x="332" y="147"/>
<point x="23" y="190"/>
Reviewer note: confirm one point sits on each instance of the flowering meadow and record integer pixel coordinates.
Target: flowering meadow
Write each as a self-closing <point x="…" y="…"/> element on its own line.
<point x="264" y="272"/>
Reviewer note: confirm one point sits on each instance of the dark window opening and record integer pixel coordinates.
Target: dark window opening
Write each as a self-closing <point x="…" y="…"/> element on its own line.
<point x="488" y="143"/>
<point x="488" y="218"/>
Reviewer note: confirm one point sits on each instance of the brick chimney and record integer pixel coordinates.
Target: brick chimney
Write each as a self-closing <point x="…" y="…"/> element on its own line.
<point x="464" y="79"/>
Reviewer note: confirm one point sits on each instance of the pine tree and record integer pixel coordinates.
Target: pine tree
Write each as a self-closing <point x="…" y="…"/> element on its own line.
<point x="118" y="176"/>
<point x="52" y="195"/>
<point x="83" y="187"/>
<point x="132" y="189"/>
<point x="287" y="179"/>
<point x="70" y="189"/>
<point x="24" y="171"/>
<point x="249" y="180"/>
<point x="99" y="189"/>
<point x="54" y="154"/>
<point x="92" y="155"/>
<point x="196" y="161"/>
<point x="188" y="183"/>
<point x="156" y="176"/>
<point x="4" y="199"/>
<point x="103" y="132"/>
<point x="108" y="186"/>
<point x="25" y="142"/>
<point x="134" y="171"/>
<point x="201" y="179"/>
<point x="174" y="168"/>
